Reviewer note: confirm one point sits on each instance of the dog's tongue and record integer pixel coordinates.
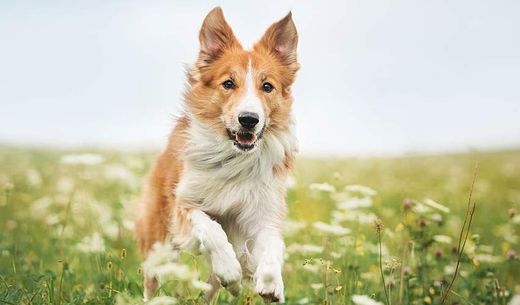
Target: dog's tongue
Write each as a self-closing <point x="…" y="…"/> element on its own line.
<point x="245" y="138"/>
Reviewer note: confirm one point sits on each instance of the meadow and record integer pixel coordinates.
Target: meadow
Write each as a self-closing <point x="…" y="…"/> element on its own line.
<point x="362" y="231"/>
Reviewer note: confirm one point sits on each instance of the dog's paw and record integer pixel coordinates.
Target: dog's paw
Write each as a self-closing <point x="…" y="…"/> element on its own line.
<point x="228" y="271"/>
<point x="269" y="283"/>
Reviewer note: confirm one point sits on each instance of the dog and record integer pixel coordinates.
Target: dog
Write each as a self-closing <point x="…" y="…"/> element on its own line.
<point x="218" y="188"/>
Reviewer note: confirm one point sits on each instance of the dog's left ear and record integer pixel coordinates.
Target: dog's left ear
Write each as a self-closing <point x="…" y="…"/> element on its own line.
<point x="281" y="38"/>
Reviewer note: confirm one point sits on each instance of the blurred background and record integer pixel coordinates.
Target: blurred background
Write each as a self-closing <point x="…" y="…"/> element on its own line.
<point x="377" y="78"/>
<point x="395" y="103"/>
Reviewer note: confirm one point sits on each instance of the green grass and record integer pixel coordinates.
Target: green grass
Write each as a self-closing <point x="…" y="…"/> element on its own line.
<point x="49" y="208"/>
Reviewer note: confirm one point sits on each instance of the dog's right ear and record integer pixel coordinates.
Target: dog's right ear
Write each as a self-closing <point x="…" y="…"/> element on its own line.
<point x="215" y="36"/>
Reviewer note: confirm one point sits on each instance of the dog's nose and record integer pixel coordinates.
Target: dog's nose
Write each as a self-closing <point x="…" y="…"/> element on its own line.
<point x="248" y="119"/>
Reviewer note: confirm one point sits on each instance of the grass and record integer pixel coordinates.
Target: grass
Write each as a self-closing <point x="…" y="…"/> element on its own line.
<point x="66" y="235"/>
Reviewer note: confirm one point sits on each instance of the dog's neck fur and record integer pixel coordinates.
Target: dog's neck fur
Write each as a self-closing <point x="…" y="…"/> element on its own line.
<point x="209" y="151"/>
<point x="220" y="179"/>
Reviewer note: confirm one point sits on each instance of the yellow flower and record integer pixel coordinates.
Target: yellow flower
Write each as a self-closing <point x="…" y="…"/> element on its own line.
<point x="427" y="300"/>
<point x="399" y="228"/>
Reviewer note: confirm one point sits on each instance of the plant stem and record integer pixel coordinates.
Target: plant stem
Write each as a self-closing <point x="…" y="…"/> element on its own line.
<point x="381" y="268"/>
<point x="464" y="232"/>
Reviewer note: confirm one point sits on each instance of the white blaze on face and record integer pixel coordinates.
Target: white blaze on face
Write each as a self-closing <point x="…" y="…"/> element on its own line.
<point x="251" y="102"/>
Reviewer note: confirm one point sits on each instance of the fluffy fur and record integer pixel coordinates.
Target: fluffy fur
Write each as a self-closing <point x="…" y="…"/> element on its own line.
<point x="219" y="188"/>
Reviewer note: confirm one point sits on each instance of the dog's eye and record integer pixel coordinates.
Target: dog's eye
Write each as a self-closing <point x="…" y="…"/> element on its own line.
<point x="267" y="87"/>
<point x="228" y="84"/>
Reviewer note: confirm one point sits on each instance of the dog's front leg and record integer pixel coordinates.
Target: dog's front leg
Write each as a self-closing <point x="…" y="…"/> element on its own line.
<point x="268" y="254"/>
<point x="209" y="238"/>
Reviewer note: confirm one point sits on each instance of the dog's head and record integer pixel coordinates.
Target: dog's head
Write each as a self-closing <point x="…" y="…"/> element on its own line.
<point x="239" y="93"/>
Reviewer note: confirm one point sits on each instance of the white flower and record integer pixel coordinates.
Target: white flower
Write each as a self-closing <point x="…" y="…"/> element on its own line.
<point x="486" y="249"/>
<point x="161" y="254"/>
<point x="316" y="286"/>
<point x="336" y="254"/>
<point x="65" y="185"/>
<point x="324" y="187"/>
<point x="304" y="249"/>
<point x="429" y="202"/>
<point x="110" y="228"/>
<point x="88" y="209"/>
<point x="52" y="219"/>
<point x="5" y="185"/>
<point x="128" y="225"/>
<point x="173" y="270"/>
<point x="450" y="269"/>
<point x="162" y="300"/>
<point x="162" y="262"/>
<point x="84" y="159"/>
<point x="364" y="300"/>
<point x="354" y="215"/>
<point x="124" y="298"/>
<point x="201" y="285"/>
<point x="355" y="202"/>
<point x="488" y="258"/>
<point x="119" y="172"/>
<point x="360" y="189"/>
<point x="33" y="177"/>
<point x="442" y="239"/>
<point x="92" y="244"/>
<point x="40" y="207"/>
<point x="331" y="229"/>
<point x="436" y="217"/>
<point x="420" y="208"/>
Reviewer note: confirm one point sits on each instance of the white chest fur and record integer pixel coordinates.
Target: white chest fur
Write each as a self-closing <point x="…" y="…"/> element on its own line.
<point x="222" y="181"/>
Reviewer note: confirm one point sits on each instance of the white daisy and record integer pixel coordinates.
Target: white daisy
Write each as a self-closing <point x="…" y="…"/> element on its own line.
<point x="162" y="300"/>
<point x="442" y="239"/>
<point x="364" y="300"/>
<point x="92" y="244"/>
<point x="304" y="248"/>
<point x="331" y="229"/>
<point x="83" y="159"/>
<point x="360" y="189"/>
<point x="324" y="187"/>
<point x="431" y="203"/>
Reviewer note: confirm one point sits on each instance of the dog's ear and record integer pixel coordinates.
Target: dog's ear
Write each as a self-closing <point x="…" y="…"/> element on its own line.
<point x="215" y="36"/>
<point x="281" y="38"/>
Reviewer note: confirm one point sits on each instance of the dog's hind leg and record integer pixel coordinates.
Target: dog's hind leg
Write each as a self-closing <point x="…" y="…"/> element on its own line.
<point x="152" y="228"/>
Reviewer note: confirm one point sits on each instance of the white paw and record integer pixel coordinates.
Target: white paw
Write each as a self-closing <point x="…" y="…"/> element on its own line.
<point x="269" y="283"/>
<point x="227" y="269"/>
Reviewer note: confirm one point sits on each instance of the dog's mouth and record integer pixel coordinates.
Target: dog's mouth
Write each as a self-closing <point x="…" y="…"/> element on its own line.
<point x="244" y="140"/>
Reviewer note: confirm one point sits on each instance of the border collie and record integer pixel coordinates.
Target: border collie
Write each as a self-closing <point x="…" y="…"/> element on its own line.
<point x="218" y="189"/>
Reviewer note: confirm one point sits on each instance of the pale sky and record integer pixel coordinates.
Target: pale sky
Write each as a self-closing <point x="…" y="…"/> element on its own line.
<point x="377" y="77"/>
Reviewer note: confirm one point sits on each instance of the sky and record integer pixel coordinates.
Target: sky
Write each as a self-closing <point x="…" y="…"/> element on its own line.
<point x="377" y="77"/>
